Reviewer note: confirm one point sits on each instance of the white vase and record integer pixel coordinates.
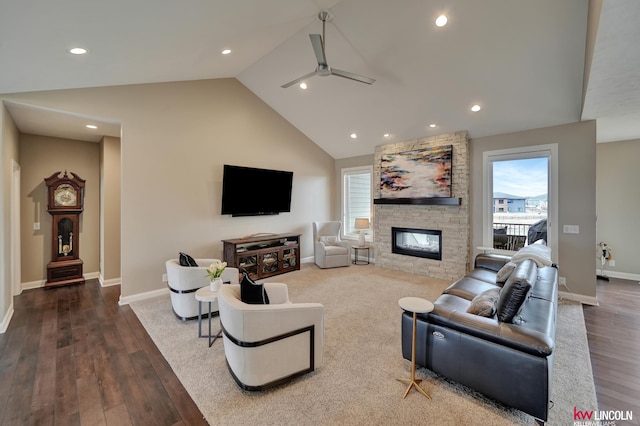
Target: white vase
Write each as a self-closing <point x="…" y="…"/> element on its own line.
<point x="215" y="284"/>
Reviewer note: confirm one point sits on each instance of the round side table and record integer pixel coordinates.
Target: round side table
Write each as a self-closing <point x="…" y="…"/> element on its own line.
<point x="417" y="306"/>
<point x="205" y="294"/>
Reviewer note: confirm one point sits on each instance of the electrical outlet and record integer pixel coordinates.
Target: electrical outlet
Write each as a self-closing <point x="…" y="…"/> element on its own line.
<point x="164" y="278"/>
<point x="612" y="262"/>
<point x="36" y="226"/>
<point x="562" y="281"/>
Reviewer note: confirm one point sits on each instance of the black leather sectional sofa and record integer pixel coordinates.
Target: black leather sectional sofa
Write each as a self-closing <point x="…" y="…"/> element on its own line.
<point x="507" y="359"/>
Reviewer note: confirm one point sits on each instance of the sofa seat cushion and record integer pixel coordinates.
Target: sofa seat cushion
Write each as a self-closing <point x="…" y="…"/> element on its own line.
<point x="468" y="287"/>
<point x="335" y="250"/>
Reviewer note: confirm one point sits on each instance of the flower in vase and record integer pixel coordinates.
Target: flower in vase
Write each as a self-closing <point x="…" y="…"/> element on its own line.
<point x="215" y="270"/>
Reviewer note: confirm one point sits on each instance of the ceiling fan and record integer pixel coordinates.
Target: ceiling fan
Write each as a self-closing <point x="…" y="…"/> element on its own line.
<point x="323" y="69"/>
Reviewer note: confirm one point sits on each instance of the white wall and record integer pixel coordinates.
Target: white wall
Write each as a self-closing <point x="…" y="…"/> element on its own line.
<point x="175" y="139"/>
<point x="618" y="205"/>
<point x="8" y="152"/>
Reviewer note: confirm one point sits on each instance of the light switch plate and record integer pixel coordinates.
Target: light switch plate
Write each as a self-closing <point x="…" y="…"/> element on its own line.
<point x="571" y="229"/>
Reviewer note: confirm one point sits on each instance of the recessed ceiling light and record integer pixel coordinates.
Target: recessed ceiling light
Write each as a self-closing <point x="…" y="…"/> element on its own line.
<point x="386" y="135"/>
<point x="476" y="108"/>
<point x="303" y="86"/>
<point x="91" y="126"/>
<point x="432" y="125"/>
<point x="354" y="136"/>
<point x="441" y="21"/>
<point x="226" y="51"/>
<point x="78" y="51"/>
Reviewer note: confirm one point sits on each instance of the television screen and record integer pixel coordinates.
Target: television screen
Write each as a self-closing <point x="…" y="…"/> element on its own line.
<point x="248" y="191"/>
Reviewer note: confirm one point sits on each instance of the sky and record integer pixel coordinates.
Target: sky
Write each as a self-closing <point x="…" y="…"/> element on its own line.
<point x="526" y="177"/>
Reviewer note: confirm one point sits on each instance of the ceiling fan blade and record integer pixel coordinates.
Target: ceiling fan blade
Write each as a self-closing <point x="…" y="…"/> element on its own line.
<point x="318" y="48"/>
<point x="352" y="76"/>
<point x="298" y="80"/>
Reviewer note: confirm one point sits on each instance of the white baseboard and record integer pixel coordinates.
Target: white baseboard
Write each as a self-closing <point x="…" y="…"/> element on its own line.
<point x="40" y="283"/>
<point x="107" y="283"/>
<point x="32" y="284"/>
<point x="621" y="275"/>
<point x="91" y="275"/>
<point x="309" y="259"/>
<point x="586" y="300"/>
<point x="7" y="319"/>
<point x="141" y="296"/>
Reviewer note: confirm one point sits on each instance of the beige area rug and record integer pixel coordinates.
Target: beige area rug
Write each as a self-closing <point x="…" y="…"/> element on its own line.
<point x="357" y="383"/>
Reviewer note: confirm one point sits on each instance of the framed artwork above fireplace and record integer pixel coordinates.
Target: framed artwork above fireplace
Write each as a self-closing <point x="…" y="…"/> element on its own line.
<point x="419" y="173"/>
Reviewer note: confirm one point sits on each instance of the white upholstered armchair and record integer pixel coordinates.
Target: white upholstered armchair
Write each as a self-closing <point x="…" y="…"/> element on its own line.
<point x="267" y="345"/>
<point x="184" y="281"/>
<point x="328" y="250"/>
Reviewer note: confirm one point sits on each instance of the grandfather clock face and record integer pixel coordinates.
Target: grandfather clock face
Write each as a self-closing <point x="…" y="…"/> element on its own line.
<point x="65" y="195"/>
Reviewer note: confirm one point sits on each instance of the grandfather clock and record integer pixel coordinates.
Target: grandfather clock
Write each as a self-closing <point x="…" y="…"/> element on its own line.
<point x="65" y="195"/>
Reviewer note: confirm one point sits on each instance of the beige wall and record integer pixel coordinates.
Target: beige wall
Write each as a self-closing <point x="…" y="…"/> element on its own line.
<point x="576" y="195"/>
<point x="40" y="157"/>
<point x="110" y="211"/>
<point x="175" y="139"/>
<point x="8" y="152"/>
<point x="618" y="205"/>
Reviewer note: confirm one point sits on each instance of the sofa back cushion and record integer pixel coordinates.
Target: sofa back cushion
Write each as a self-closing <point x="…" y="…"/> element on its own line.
<point x="515" y="291"/>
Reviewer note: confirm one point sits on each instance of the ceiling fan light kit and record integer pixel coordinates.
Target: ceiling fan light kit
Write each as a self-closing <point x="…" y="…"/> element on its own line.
<point x="323" y="69"/>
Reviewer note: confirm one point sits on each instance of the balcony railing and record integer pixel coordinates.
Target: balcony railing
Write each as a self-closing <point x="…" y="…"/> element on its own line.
<point x="510" y="236"/>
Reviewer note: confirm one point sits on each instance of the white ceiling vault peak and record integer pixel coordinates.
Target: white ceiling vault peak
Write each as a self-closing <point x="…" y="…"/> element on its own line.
<point x="521" y="61"/>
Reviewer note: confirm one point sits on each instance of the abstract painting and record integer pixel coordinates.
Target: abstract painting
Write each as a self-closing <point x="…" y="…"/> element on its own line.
<point x="419" y="173"/>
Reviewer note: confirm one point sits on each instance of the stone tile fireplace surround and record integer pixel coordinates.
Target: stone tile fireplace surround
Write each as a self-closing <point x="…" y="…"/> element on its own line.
<point x="453" y="220"/>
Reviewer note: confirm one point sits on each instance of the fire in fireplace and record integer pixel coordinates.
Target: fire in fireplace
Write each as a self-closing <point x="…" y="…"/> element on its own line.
<point x="425" y="243"/>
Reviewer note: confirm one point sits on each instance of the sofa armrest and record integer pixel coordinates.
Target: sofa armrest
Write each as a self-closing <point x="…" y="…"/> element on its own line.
<point x="491" y="261"/>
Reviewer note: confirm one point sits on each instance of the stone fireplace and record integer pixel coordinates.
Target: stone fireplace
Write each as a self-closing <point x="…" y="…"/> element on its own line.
<point x="426" y="243"/>
<point x="452" y="221"/>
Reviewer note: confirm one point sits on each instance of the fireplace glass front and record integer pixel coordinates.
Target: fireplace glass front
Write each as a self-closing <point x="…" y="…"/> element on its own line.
<point x="425" y="243"/>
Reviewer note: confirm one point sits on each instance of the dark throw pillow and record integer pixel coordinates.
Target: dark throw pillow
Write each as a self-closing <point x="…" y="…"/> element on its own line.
<point x="484" y="304"/>
<point x="186" y="260"/>
<point x="512" y="297"/>
<point x="251" y="292"/>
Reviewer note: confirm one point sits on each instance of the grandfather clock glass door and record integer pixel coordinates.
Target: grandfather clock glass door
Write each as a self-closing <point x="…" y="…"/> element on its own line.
<point x="66" y="243"/>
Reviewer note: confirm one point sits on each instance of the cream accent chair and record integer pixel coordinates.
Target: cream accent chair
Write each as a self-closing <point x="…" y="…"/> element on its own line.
<point x="184" y="281"/>
<point x="268" y="345"/>
<point x="328" y="250"/>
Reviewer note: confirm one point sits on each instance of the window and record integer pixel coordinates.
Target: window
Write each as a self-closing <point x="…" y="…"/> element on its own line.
<point x="527" y="179"/>
<point x="356" y="199"/>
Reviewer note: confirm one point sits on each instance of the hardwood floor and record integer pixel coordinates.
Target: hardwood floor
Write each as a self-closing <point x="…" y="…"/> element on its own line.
<point x="71" y="355"/>
<point x="614" y="342"/>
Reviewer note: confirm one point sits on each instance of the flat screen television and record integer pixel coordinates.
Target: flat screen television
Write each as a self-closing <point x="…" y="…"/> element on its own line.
<point x="248" y="191"/>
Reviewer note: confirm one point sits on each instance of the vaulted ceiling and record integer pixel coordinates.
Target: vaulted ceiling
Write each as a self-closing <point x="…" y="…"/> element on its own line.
<point x="522" y="61"/>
